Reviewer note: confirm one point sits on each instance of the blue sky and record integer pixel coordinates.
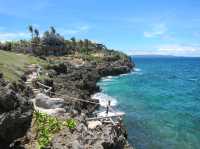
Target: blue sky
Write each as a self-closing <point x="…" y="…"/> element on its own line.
<point x="170" y="27"/>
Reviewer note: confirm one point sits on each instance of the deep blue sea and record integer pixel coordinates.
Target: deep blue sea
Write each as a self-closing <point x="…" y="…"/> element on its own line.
<point x="161" y="99"/>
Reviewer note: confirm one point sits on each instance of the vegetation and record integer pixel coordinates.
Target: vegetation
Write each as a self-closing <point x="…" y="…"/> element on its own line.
<point x="70" y="123"/>
<point x="50" y="43"/>
<point x="47" y="126"/>
<point x="13" y="65"/>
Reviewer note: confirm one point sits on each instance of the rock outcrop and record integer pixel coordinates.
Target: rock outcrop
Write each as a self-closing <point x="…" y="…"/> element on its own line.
<point x="15" y="115"/>
<point x="102" y="137"/>
<point x="50" y="106"/>
<point x="81" y="82"/>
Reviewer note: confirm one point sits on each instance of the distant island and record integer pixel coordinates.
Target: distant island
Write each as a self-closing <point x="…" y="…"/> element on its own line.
<point x="160" y="56"/>
<point x="154" y="56"/>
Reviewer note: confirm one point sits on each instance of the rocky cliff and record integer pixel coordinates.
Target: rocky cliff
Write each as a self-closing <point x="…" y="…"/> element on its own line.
<point x="66" y="77"/>
<point x="15" y="113"/>
<point x="80" y="82"/>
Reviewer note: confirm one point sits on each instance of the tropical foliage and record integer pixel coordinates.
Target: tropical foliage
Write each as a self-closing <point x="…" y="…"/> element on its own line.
<point x="47" y="126"/>
<point x="50" y="43"/>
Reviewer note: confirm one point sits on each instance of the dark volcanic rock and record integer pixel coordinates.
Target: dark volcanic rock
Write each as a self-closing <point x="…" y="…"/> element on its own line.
<point x="15" y="116"/>
<point x="59" y="68"/>
<point x="21" y="88"/>
<point x="81" y="82"/>
<point x="103" y="137"/>
<point x="115" y="68"/>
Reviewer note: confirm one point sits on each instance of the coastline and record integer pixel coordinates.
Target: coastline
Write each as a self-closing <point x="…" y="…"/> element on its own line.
<point x="80" y="82"/>
<point x="91" y="74"/>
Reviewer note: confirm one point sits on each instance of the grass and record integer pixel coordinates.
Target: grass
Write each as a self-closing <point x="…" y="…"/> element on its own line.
<point x="47" y="126"/>
<point x="12" y="65"/>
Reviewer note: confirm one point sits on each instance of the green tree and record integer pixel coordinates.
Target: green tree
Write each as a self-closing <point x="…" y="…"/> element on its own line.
<point x="53" y="42"/>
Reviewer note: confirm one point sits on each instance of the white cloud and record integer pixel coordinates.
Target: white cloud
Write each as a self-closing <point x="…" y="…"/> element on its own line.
<point x="175" y="50"/>
<point x="180" y="50"/>
<point x="157" y="30"/>
<point x="77" y="30"/>
<point x="7" y="36"/>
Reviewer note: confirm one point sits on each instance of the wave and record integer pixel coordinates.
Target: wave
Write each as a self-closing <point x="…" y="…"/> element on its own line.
<point x="103" y="113"/>
<point x="193" y="79"/>
<point x="137" y="69"/>
<point x="125" y="74"/>
<point x="108" y="78"/>
<point x="104" y="98"/>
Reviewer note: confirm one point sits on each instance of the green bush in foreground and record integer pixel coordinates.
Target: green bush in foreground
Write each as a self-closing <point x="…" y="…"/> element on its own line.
<point x="70" y="123"/>
<point x="49" y="125"/>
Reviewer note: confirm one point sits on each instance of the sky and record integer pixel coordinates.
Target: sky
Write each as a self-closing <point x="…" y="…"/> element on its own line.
<point x="136" y="27"/>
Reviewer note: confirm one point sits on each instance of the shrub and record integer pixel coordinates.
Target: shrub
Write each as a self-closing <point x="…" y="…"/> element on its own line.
<point x="70" y="123"/>
<point x="46" y="127"/>
<point x="49" y="125"/>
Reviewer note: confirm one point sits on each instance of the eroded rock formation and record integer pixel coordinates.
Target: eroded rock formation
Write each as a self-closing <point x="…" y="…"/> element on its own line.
<point x="15" y="115"/>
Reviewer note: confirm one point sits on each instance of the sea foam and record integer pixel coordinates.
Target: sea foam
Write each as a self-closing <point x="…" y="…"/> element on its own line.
<point x="104" y="98"/>
<point x="137" y="69"/>
<point x="108" y="78"/>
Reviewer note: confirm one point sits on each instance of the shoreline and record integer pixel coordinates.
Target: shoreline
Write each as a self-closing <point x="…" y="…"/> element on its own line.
<point x="93" y="89"/>
<point x="65" y="78"/>
<point x="109" y="79"/>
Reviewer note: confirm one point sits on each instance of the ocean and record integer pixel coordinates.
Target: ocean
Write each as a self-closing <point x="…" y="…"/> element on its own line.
<point x="161" y="99"/>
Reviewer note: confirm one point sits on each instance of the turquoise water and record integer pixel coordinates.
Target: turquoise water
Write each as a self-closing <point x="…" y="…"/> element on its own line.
<point x="162" y="102"/>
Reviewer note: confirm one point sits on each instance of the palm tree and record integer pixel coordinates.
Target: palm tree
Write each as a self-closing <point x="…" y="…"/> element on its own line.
<point x="52" y="30"/>
<point x="36" y="31"/>
<point x="36" y="41"/>
<point x="30" y="28"/>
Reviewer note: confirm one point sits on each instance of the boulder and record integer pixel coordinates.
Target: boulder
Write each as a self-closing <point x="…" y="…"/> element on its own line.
<point x="94" y="124"/>
<point x="50" y="106"/>
<point x="15" y="116"/>
<point x="44" y="101"/>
